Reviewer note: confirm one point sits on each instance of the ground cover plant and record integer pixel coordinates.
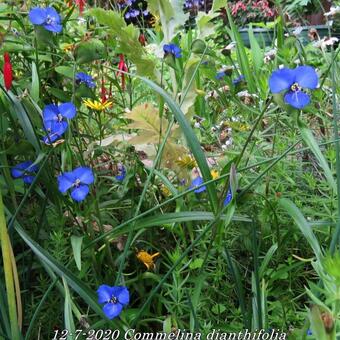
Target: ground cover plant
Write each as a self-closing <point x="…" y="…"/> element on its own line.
<point x="160" y="178"/>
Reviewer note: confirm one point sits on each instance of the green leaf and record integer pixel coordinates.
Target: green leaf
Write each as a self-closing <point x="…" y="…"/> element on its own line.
<point x="90" y="50"/>
<point x="19" y="111"/>
<point x="256" y="51"/>
<point x="68" y="318"/>
<point x="76" y="284"/>
<point x="66" y="71"/>
<point x="267" y="259"/>
<point x="76" y="242"/>
<point x="195" y="264"/>
<point x="127" y="39"/>
<point x="303" y="225"/>
<point x="35" y="83"/>
<point x="217" y="4"/>
<point x="309" y="139"/>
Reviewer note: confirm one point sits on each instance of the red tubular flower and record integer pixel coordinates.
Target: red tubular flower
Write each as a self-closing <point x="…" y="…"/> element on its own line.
<point x="142" y="39"/>
<point x="103" y="92"/>
<point x="8" y="72"/>
<point x="81" y="4"/>
<point x="122" y="67"/>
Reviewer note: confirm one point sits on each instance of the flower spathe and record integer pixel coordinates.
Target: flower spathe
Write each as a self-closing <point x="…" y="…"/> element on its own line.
<point x="8" y="71"/>
<point x="294" y="81"/>
<point x="172" y="49"/>
<point x="228" y="197"/>
<point x="78" y="180"/>
<point x="114" y="299"/>
<point x="25" y="170"/>
<point x="47" y="17"/>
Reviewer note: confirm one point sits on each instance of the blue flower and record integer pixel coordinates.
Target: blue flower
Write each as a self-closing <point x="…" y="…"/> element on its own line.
<point x="220" y="75"/>
<point x="195" y="183"/>
<point x="54" y="118"/>
<point x="238" y="79"/>
<point x="79" y="180"/>
<point x="293" y="81"/>
<point x="113" y="298"/>
<point x="47" y="17"/>
<point x="228" y="198"/>
<point x="133" y="13"/>
<point x="172" y="49"/>
<point x="25" y="170"/>
<point x="309" y="332"/>
<point x="83" y="78"/>
<point x="121" y="172"/>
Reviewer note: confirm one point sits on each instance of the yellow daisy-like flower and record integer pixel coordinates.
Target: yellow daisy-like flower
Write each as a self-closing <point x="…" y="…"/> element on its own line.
<point x="147" y="259"/>
<point x="214" y="174"/>
<point x="186" y="162"/>
<point x="97" y="105"/>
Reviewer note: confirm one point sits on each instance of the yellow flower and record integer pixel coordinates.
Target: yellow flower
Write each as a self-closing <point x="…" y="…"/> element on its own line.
<point x="97" y="105"/>
<point x="214" y="173"/>
<point x="67" y="47"/>
<point x="147" y="259"/>
<point x="165" y="190"/>
<point x="186" y="162"/>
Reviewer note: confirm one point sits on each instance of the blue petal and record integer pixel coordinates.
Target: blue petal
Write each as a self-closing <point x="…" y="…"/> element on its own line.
<point x="84" y="174"/>
<point x="196" y="182"/>
<point x="122" y="295"/>
<point x="56" y="28"/>
<point x="28" y="179"/>
<point x="37" y="16"/>
<point x="281" y="79"/>
<point x="306" y="77"/>
<point x="220" y="75"/>
<point x="65" y="181"/>
<point x="297" y="99"/>
<point x="79" y="193"/>
<point x="50" y="138"/>
<point x="53" y="14"/>
<point x="17" y="172"/>
<point x="67" y="110"/>
<point x="112" y="310"/>
<point x="55" y="127"/>
<point x="50" y="112"/>
<point x="104" y="293"/>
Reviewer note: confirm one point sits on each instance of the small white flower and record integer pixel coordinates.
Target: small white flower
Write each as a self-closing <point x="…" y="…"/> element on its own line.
<point x="229" y="142"/>
<point x="235" y="119"/>
<point x="197" y="125"/>
<point x="333" y="11"/>
<point x="326" y="41"/>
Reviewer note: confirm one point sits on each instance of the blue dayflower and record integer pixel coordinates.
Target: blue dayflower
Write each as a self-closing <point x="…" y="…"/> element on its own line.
<point x="47" y="17"/>
<point x="228" y="198"/>
<point x="294" y="81"/>
<point x="220" y="75"/>
<point x="83" y="78"/>
<point x="54" y="118"/>
<point x="172" y="49"/>
<point x="79" y="180"/>
<point x="195" y="183"/>
<point x="121" y="172"/>
<point x="113" y="298"/>
<point x="238" y="79"/>
<point x="25" y="170"/>
<point x="309" y="332"/>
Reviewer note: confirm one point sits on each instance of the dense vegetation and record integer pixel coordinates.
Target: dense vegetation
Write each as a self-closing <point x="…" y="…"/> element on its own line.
<point x="160" y="173"/>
